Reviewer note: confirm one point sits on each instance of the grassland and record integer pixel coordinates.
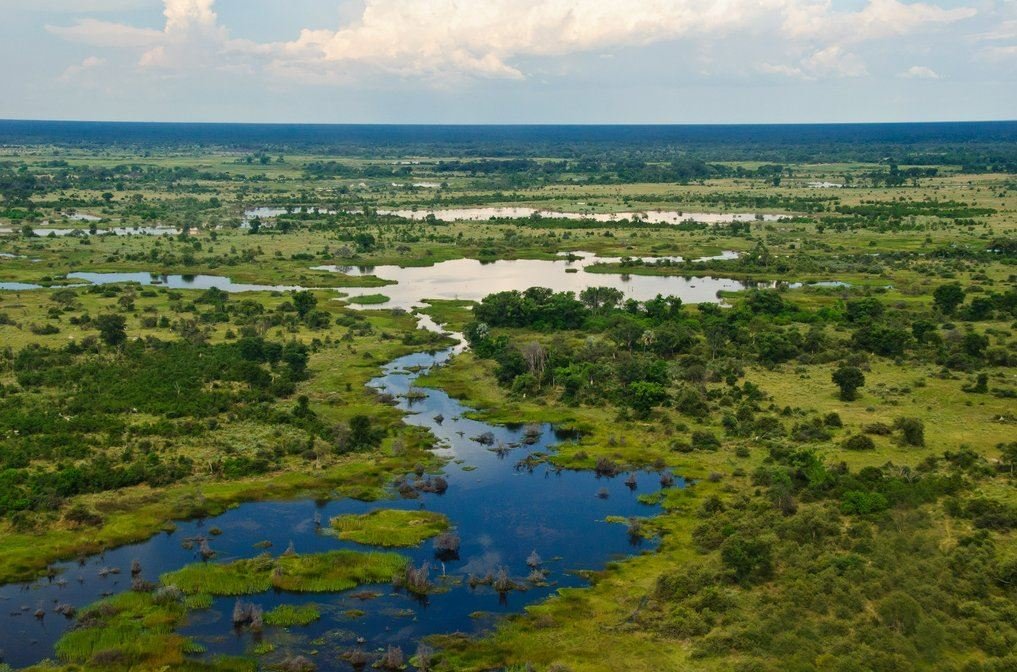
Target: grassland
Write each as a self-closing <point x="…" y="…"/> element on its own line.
<point x="832" y="597"/>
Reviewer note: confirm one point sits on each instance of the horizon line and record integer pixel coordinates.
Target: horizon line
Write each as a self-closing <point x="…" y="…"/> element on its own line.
<point x="512" y="125"/>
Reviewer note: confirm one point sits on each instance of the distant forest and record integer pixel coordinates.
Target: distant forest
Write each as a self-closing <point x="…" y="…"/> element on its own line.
<point x="972" y="146"/>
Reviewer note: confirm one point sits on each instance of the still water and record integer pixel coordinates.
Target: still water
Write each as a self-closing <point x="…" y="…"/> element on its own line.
<point x="502" y="512"/>
<point x="472" y="280"/>
<point x="648" y="216"/>
<point x="477" y="214"/>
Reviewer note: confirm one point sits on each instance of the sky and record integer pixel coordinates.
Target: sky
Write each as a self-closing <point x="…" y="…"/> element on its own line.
<point x="509" y="61"/>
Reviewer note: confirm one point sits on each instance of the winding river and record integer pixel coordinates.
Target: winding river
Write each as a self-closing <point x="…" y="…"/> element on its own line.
<point x="502" y="512"/>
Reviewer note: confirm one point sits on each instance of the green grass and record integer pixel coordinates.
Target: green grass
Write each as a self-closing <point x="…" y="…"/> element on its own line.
<point x="287" y="615"/>
<point x="241" y="577"/>
<point x="133" y="626"/>
<point x="331" y="572"/>
<point x="390" y="527"/>
<point x="368" y="299"/>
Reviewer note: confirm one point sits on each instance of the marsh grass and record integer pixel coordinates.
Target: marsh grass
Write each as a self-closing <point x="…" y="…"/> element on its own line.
<point x="287" y="615"/>
<point x="336" y="571"/>
<point x="390" y="527"/>
<point x="243" y="577"/>
<point x="320" y="573"/>
<point x="369" y="299"/>
<point x="130" y="629"/>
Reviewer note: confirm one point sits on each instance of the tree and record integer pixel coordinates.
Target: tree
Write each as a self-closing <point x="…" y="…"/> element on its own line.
<point x="948" y="297"/>
<point x="912" y="431"/>
<point x="748" y="559"/>
<point x="536" y="358"/>
<point x="849" y="379"/>
<point x="112" y="329"/>
<point x="304" y="302"/>
<point x="362" y="434"/>
<point x="644" y="396"/>
<point x="597" y="298"/>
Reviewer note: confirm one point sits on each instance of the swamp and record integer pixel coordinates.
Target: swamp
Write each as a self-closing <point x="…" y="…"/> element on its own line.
<point x="549" y="399"/>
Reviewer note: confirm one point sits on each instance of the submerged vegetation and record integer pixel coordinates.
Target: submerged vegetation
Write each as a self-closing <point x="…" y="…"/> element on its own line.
<point x="843" y="430"/>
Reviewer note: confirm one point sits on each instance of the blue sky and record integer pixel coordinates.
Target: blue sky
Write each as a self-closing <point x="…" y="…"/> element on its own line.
<point x="509" y="61"/>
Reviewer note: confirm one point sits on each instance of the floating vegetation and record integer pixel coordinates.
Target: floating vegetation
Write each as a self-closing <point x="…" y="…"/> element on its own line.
<point x="390" y="527"/>
<point x="368" y="299"/>
<point x="335" y="571"/>
<point x="415" y="394"/>
<point x="248" y="614"/>
<point x="263" y="648"/>
<point x="356" y="658"/>
<point x="288" y="615"/>
<point x="417" y="580"/>
<point x="129" y="630"/>
<point x="437" y="485"/>
<point x="296" y="664"/>
<point x="446" y="546"/>
<point x="392" y="659"/>
<point x="485" y="439"/>
<point x="532" y="434"/>
<point x="501" y="450"/>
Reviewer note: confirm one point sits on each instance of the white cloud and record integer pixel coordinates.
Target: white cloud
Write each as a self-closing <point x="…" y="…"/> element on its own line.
<point x="830" y="62"/>
<point x="73" y="72"/>
<point x="70" y="6"/>
<point x="107" y="34"/>
<point x="1000" y="53"/>
<point x="876" y="20"/>
<point x="441" y="40"/>
<point x="919" y="72"/>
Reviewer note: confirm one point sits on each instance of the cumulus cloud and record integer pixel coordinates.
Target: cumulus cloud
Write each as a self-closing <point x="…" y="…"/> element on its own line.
<point x="439" y="39"/>
<point x="75" y="71"/>
<point x="919" y="72"/>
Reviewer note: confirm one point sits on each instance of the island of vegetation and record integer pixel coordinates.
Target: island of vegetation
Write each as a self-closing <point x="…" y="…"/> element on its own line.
<point x="779" y="372"/>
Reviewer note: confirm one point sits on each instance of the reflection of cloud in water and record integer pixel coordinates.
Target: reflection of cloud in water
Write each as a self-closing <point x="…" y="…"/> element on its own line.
<point x="249" y="524"/>
<point x="470" y="279"/>
<point x="305" y="525"/>
<point x="487" y="563"/>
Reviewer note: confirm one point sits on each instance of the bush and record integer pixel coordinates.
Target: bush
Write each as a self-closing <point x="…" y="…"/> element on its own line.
<point x="859" y="442"/>
<point x="912" y="431"/>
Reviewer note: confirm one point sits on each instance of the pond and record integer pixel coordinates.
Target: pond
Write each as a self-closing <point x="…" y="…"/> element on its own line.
<point x="501" y="511"/>
<point x="648" y="216"/>
<point x="478" y="214"/>
<point x="469" y="279"/>
<point x="179" y="281"/>
<point x="44" y="232"/>
<point x="199" y="282"/>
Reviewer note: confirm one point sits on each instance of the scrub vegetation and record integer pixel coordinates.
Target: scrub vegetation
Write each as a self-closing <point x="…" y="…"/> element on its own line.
<point x="846" y="426"/>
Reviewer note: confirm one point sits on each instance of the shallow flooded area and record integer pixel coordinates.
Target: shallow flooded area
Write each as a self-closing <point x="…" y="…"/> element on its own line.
<point x="504" y="510"/>
<point x="648" y="216"/>
<point x="469" y="279"/>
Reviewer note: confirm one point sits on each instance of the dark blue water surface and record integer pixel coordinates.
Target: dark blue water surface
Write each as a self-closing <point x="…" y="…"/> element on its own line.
<point x="501" y="511"/>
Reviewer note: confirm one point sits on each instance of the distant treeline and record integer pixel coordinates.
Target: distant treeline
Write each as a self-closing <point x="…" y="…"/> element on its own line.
<point x="974" y="146"/>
